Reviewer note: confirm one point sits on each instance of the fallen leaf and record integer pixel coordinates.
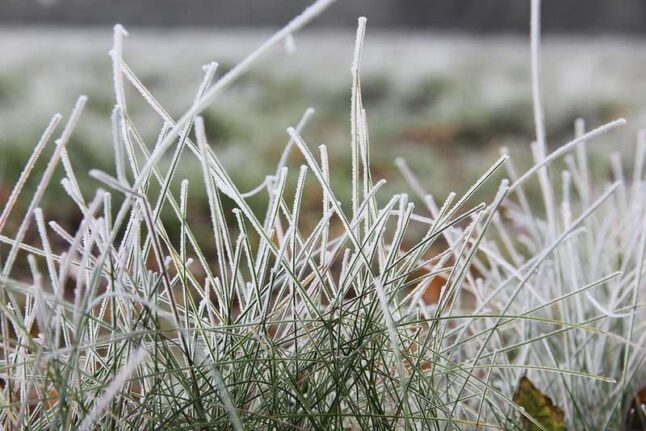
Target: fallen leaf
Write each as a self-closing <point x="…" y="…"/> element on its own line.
<point x="636" y="416"/>
<point x="539" y="406"/>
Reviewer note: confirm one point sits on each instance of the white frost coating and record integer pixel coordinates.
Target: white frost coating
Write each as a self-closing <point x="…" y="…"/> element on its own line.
<point x="24" y="175"/>
<point x="117" y="57"/>
<point x="307" y="115"/>
<point x="307" y="15"/>
<point x="567" y="147"/>
<point x="44" y="182"/>
<point x="290" y="44"/>
<point x="42" y="232"/>
<point x="117" y="383"/>
<point x="356" y="108"/>
<point x="539" y="115"/>
<point x="582" y="162"/>
<point x="537" y="96"/>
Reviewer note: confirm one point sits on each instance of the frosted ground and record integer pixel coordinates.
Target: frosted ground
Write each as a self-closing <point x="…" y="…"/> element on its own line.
<point x="430" y="97"/>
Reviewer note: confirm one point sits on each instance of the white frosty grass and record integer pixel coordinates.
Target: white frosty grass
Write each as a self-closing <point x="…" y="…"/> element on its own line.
<point x="324" y="327"/>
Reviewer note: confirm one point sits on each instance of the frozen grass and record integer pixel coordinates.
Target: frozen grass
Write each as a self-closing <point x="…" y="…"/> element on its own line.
<point x="326" y="326"/>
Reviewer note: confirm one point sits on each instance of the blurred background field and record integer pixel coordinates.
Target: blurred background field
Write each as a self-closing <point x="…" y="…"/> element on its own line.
<point x="446" y="101"/>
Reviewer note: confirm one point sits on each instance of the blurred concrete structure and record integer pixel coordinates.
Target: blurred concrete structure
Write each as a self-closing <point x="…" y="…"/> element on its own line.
<point x="486" y="16"/>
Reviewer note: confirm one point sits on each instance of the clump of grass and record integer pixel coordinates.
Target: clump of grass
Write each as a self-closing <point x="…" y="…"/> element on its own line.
<point x="321" y="327"/>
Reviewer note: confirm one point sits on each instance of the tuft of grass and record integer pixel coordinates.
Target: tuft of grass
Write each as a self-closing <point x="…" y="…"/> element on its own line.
<point x="377" y="316"/>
